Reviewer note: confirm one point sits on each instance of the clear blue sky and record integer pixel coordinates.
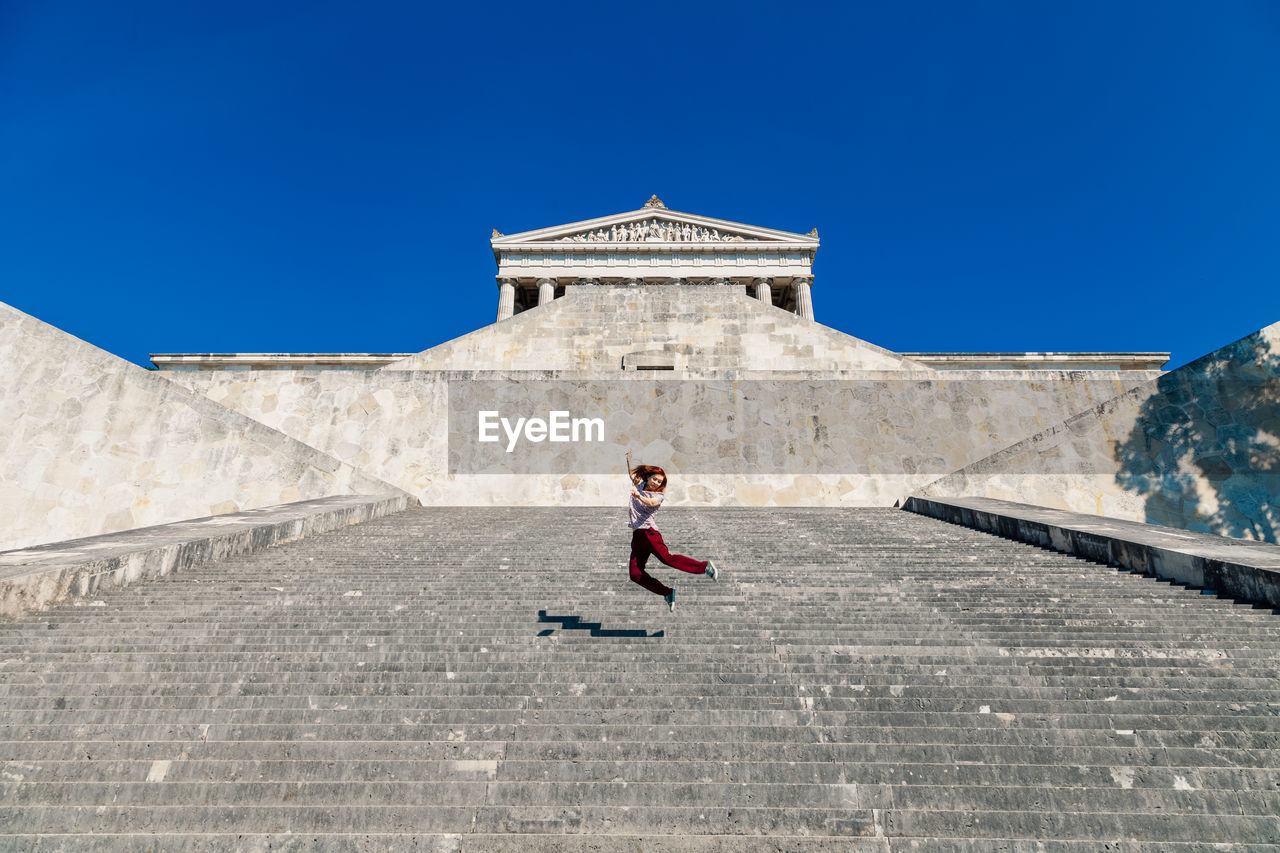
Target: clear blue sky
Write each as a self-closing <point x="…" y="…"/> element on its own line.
<point x="323" y="177"/>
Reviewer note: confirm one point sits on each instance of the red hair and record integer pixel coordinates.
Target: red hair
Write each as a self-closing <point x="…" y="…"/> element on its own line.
<point x="646" y="471"/>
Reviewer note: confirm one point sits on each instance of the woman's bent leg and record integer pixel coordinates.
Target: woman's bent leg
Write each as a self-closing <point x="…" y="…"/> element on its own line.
<point x="675" y="561"/>
<point x="639" y="556"/>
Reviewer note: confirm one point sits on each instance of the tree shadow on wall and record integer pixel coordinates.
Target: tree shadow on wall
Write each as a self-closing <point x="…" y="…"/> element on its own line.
<point x="1205" y="450"/>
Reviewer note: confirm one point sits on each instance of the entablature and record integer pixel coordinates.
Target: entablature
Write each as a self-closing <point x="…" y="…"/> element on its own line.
<point x="648" y="264"/>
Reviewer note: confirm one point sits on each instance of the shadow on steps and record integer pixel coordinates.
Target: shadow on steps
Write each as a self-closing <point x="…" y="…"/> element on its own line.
<point x="597" y="629"/>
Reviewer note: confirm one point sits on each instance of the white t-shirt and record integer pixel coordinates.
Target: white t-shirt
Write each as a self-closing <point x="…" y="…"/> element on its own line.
<point x="641" y="515"/>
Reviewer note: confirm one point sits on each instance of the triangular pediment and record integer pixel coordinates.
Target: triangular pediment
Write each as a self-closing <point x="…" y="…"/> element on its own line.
<point x="653" y="223"/>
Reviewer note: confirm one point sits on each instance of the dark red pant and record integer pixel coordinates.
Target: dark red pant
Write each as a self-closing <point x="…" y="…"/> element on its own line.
<point x="646" y="541"/>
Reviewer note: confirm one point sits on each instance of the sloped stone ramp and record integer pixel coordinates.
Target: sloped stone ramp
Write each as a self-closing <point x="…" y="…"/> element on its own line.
<point x="488" y="679"/>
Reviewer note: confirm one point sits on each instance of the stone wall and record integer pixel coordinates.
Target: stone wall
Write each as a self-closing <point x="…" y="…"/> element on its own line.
<point x="1198" y="448"/>
<point x="92" y="444"/>
<point x="864" y="441"/>
<point x="838" y="421"/>
<point x="392" y="423"/>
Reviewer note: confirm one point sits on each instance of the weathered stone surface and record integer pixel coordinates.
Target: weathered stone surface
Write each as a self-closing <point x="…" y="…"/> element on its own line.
<point x="1197" y="449"/>
<point x="488" y="679"/>
<point x="93" y="444"/>
<point x="870" y="438"/>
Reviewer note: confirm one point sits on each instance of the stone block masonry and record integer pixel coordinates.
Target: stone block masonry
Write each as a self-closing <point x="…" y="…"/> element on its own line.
<point x="92" y="444"/>
<point x="1197" y="448"/>
<point x="868" y="439"/>
<point x="851" y="424"/>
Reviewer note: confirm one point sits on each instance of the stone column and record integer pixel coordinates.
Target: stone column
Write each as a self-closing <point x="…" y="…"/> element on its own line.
<point x="764" y="291"/>
<point x="506" y="298"/>
<point x="546" y="290"/>
<point x="804" y="299"/>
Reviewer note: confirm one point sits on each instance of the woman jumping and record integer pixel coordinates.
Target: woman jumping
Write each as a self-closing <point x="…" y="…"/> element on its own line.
<point x="649" y="481"/>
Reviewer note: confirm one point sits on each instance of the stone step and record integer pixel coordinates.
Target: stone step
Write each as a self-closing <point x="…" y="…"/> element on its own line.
<point x="518" y="711"/>
<point x="1066" y="709"/>
<point x="26" y="757"/>
<point x="286" y="640"/>
<point x="78" y="694"/>
<point x="959" y="845"/>
<point x="786" y="613"/>
<point x="297" y="819"/>
<point x="361" y="841"/>
<point x="858" y="677"/>
<point x="617" y="636"/>
<point x="790" y="729"/>
<point x="622" y="795"/>
<point x="633" y="771"/>
<point x="394" y="676"/>
<point x="365" y="653"/>
<point x="711" y="629"/>
<point x="841" y="664"/>
<point x="388" y="677"/>
<point x="665" y="820"/>
<point x="1037" y="823"/>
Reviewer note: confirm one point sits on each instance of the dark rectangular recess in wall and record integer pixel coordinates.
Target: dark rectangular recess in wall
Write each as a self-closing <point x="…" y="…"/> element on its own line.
<point x="655" y="367"/>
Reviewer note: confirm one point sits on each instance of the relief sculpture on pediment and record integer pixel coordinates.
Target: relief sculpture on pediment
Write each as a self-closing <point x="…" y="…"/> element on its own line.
<point x="656" y="231"/>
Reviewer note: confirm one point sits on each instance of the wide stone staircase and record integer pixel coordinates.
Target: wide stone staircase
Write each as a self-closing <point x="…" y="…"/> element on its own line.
<point x="488" y="679"/>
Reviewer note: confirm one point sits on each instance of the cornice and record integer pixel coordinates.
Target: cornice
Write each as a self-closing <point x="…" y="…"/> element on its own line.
<point x="655" y="246"/>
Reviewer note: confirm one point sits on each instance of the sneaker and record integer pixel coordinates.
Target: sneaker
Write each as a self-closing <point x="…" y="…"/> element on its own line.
<point x="670" y="599"/>
<point x="712" y="571"/>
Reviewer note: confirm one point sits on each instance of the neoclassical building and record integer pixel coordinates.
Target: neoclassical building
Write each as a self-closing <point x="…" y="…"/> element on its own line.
<point x="667" y="255"/>
<point x="696" y="342"/>
<point x="655" y="246"/>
